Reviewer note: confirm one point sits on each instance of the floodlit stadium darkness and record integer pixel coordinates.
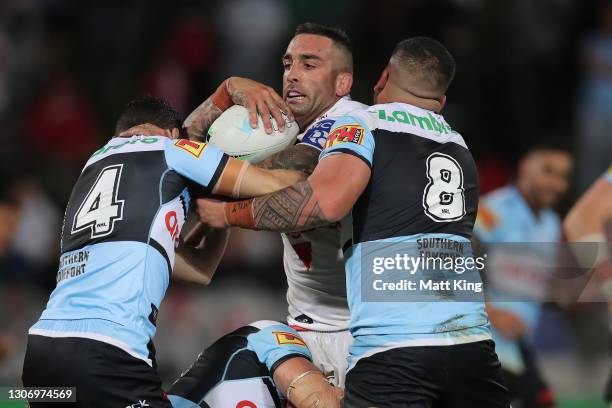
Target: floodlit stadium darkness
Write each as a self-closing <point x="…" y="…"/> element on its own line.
<point x="527" y="71"/>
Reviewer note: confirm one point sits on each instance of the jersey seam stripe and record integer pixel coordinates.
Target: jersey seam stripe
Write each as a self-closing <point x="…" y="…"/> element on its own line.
<point x="220" y="168"/>
<point x="312" y="145"/>
<point x="423" y="342"/>
<point x="461" y="142"/>
<point x="162" y="252"/>
<point x="146" y="257"/>
<point x="90" y="336"/>
<point x="352" y="153"/>
<point x="287" y="357"/>
<point x="224" y="372"/>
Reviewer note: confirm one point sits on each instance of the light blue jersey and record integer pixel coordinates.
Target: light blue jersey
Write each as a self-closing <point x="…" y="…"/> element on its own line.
<point x="420" y="203"/>
<point x="121" y="228"/>
<point x="505" y="217"/>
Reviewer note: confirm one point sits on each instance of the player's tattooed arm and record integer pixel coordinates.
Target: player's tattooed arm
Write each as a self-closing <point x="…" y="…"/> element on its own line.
<point x="291" y="209"/>
<point x="297" y="157"/>
<point x="257" y="98"/>
<point x="325" y="197"/>
<point x="198" y="121"/>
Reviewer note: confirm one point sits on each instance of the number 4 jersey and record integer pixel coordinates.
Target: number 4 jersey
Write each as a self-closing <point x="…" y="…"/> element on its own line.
<point x="120" y="231"/>
<point x="421" y="202"/>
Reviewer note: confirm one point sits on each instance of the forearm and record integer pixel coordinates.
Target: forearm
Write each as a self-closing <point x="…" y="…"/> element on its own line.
<point x="261" y="182"/>
<point x="293" y="208"/>
<point x="305" y="386"/>
<point x="297" y="157"/>
<point x="197" y="264"/>
<point x="198" y="121"/>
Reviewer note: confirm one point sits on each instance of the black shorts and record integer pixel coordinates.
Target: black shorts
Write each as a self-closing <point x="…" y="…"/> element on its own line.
<point x="104" y="375"/>
<point x="458" y="376"/>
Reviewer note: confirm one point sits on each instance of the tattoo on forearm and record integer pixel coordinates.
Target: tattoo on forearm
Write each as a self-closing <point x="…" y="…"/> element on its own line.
<point x="290" y="209"/>
<point x="299" y="158"/>
<point x="198" y="122"/>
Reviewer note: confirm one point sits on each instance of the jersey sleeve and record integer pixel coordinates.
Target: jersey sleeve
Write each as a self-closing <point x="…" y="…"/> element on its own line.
<point x="352" y="136"/>
<point x="316" y="135"/>
<point x="277" y="343"/>
<point x="199" y="162"/>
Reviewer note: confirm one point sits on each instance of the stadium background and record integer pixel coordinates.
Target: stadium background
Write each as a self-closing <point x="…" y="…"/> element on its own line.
<point x="67" y="68"/>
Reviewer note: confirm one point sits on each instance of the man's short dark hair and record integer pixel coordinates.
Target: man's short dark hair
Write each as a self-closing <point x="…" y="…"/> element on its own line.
<point x="426" y="56"/>
<point x="148" y="109"/>
<point x="549" y="143"/>
<point x="338" y="36"/>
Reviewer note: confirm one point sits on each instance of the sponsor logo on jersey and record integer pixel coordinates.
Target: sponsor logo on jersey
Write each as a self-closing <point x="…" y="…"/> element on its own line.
<point x="246" y="404"/>
<point x="172" y="226"/>
<point x="286" y="338"/>
<point x="193" y="148"/>
<point x="105" y="149"/>
<point x="317" y="134"/>
<point x="428" y="122"/>
<point x="345" y="134"/>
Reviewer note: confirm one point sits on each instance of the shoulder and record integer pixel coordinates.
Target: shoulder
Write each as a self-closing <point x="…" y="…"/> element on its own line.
<point x="500" y="197"/>
<point x="494" y="207"/>
<point x="346" y="106"/>
<point x="405" y="118"/>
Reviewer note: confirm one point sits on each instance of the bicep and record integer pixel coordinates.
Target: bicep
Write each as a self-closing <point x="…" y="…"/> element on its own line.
<point x="339" y="179"/>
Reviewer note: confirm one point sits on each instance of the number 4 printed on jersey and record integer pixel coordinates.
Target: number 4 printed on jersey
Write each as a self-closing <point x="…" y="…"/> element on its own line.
<point x="101" y="208"/>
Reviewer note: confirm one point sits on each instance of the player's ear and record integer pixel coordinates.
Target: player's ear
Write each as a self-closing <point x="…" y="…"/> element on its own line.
<point x="174" y="133"/>
<point x="442" y="102"/>
<point x="382" y="81"/>
<point x="344" y="83"/>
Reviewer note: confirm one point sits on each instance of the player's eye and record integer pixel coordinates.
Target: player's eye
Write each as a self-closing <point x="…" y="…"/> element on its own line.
<point x="310" y="66"/>
<point x="286" y="66"/>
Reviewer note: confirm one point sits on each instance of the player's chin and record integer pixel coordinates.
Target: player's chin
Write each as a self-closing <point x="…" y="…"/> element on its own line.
<point x="549" y="199"/>
<point x="298" y="105"/>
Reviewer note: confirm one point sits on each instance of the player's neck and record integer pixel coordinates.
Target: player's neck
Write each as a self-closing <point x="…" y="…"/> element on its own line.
<point x="400" y="95"/>
<point x="532" y="203"/>
<point x="306" y="121"/>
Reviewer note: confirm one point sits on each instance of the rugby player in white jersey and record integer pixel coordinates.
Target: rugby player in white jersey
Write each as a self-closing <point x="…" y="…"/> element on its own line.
<point x="317" y="79"/>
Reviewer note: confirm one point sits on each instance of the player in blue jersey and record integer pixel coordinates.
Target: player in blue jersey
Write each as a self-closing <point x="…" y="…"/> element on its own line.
<point x="522" y="213"/>
<point x="264" y="364"/>
<point x="121" y="229"/>
<point x="412" y="186"/>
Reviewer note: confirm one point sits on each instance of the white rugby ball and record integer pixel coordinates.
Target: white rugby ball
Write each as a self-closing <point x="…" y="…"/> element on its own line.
<point x="233" y="133"/>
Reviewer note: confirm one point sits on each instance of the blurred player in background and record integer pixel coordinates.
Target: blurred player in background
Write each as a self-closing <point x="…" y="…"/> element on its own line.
<point x="317" y="79"/>
<point x="590" y="220"/>
<point x="522" y="213"/>
<point x="263" y="364"/>
<point x="386" y="163"/>
<point x="121" y="228"/>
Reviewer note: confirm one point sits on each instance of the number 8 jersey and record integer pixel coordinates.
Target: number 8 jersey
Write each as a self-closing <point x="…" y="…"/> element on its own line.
<point x="421" y="200"/>
<point x="121" y="228"/>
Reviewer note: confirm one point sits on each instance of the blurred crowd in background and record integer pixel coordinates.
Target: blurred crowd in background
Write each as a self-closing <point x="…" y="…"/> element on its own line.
<point x="527" y="70"/>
